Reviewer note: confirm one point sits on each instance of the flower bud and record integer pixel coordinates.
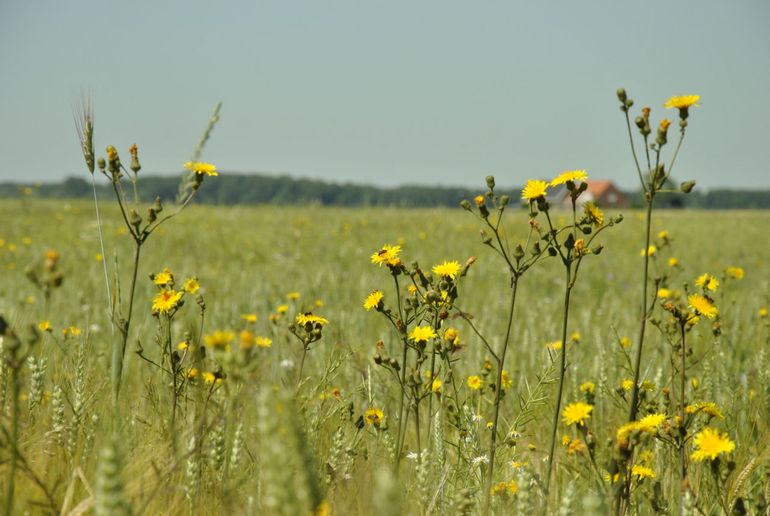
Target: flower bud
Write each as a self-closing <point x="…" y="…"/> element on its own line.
<point x="504" y="200"/>
<point x="101" y="163"/>
<point x="464" y="204"/>
<point x="491" y="182"/>
<point x="621" y="95"/>
<point x="134" y="151"/>
<point x="485" y="238"/>
<point x="687" y="186"/>
<point x="135" y="219"/>
<point x="518" y="252"/>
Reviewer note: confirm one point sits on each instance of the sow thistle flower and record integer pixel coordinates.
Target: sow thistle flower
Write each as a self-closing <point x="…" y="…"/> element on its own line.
<point x="447" y="269"/>
<point x="250" y="318"/>
<point x="45" y="326"/>
<point x="388" y="255"/>
<point x="474" y="382"/>
<point x="373" y="300"/>
<point x="642" y="472"/>
<point x="707" y="281"/>
<point x="309" y="318"/>
<point x="534" y="189"/>
<point x="593" y="214"/>
<point x="682" y="101"/>
<point x="576" y="413"/>
<point x="702" y="305"/>
<point x="422" y="334"/>
<point x="219" y="339"/>
<point x="163" y="278"/>
<point x="649" y="252"/>
<point x="706" y="407"/>
<point x="166" y="300"/>
<point x="569" y="175"/>
<point x="735" y="272"/>
<point x="191" y="285"/>
<point x="710" y="444"/>
<point x="374" y="416"/>
<point x="201" y="168"/>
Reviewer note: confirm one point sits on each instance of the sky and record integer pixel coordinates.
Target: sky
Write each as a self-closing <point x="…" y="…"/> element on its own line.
<point x="386" y="93"/>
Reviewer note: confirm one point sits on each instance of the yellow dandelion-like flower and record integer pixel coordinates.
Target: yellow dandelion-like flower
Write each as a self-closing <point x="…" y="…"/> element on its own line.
<point x="166" y="300"/>
<point x="452" y="336"/>
<point x="201" y="168"/>
<point x="710" y="444"/>
<point x="576" y="447"/>
<point x="293" y="296"/>
<point x="650" y="251"/>
<point x="435" y="385"/>
<point x="210" y="377"/>
<point x="702" y="305"/>
<point x="762" y="313"/>
<point x="589" y="387"/>
<point x="663" y="235"/>
<point x="707" y="281"/>
<point x="706" y="407"/>
<point x="682" y="101"/>
<point x="447" y="269"/>
<point x="246" y="339"/>
<point x="219" y="339"/>
<point x="593" y="213"/>
<point x="576" y="413"/>
<point x="673" y="262"/>
<point x="163" y="278"/>
<point x="422" y="334"/>
<point x="627" y="384"/>
<point x="651" y="422"/>
<point x="192" y="373"/>
<point x="474" y="382"/>
<point x="569" y="175"/>
<point x="664" y="293"/>
<point x="534" y="189"/>
<point x="505" y="488"/>
<point x="183" y="346"/>
<point x="642" y="472"/>
<point x="735" y="272"/>
<point x="72" y="331"/>
<point x="374" y="416"/>
<point x="318" y="303"/>
<point x="282" y="309"/>
<point x="373" y="300"/>
<point x="411" y="289"/>
<point x="575" y="337"/>
<point x="45" y="326"/>
<point x="625" y="430"/>
<point x="249" y="318"/>
<point x="625" y="342"/>
<point x="263" y="342"/>
<point x="308" y="317"/>
<point x="388" y="255"/>
<point x="191" y="285"/>
<point x="479" y="200"/>
<point x="505" y="381"/>
<point x="555" y="345"/>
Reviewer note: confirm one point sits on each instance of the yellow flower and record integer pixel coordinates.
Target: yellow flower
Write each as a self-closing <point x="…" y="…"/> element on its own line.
<point x="625" y="342"/>
<point x="246" y="339"/>
<point x="576" y="413"/>
<point x="555" y="345"/>
<point x="569" y="175"/>
<point x="249" y="318"/>
<point x="650" y="251"/>
<point x="263" y="342"/>
<point x="387" y="255"/>
<point x="663" y="235"/>
<point x="318" y="303"/>
<point x="447" y="269"/>
<point x="710" y="444"/>
<point x="576" y="447"/>
<point x="166" y="300"/>
<point x="593" y="213"/>
<point x="219" y="339"/>
<point x="627" y="385"/>
<point x="72" y="331"/>
<point x="762" y="313"/>
<point x="474" y="382"/>
<point x="702" y="305"/>
<point x="589" y="387"/>
<point x="209" y="377"/>
<point x="373" y="300"/>
<point x="505" y="381"/>
<point x="642" y="472"/>
<point x="452" y="336"/>
<point x="422" y="334"/>
<point x="479" y="200"/>
<point x="651" y="422"/>
<point x="534" y="189"/>
<point x="436" y="384"/>
<point x="664" y="293"/>
<point x="282" y="309"/>
<point x="293" y="296"/>
<point x="707" y="281"/>
<point x="505" y="488"/>
<point x="308" y="317"/>
<point x="201" y="168"/>
<point x="673" y="262"/>
<point x="735" y="272"/>
<point x="163" y="278"/>
<point x="191" y="285"/>
<point x="374" y="416"/>
<point x="45" y="326"/>
<point x="575" y="337"/>
<point x="182" y="346"/>
<point x="683" y="101"/>
<point x="707" y="407"/>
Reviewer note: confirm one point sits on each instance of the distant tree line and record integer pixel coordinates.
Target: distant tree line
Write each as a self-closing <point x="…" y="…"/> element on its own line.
<point x="263" y="189"/>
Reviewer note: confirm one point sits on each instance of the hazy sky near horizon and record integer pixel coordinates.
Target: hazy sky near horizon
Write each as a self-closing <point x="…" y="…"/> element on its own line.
<point x="429" y="92"/>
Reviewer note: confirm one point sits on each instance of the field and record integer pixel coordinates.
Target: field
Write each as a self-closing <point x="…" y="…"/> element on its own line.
<point x="269" y="429"/>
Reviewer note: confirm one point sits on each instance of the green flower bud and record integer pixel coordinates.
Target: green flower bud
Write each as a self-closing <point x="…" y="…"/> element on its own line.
<point x="687" y="186"/>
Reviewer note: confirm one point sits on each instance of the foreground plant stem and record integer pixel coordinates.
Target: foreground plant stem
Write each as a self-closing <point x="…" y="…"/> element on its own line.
<point x="14" y="437"/>
<point x="682" y="408"/>
<point x="119" y="347"/>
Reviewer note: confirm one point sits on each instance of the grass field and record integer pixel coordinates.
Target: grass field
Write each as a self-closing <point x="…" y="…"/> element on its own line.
<point x="266" y="439"/>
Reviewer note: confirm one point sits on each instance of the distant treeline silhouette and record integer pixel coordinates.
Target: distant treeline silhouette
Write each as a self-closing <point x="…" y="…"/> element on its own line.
<point x="263" y="189"/>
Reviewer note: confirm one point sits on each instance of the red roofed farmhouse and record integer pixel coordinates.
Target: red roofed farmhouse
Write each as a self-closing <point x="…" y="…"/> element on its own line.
<point x="601" y="191"/>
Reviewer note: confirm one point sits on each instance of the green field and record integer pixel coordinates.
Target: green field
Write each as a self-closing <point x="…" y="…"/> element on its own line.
<point x="266" y="440"/>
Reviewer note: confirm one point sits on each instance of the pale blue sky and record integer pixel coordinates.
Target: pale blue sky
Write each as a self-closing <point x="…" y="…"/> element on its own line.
<point x="385" y="92"/>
